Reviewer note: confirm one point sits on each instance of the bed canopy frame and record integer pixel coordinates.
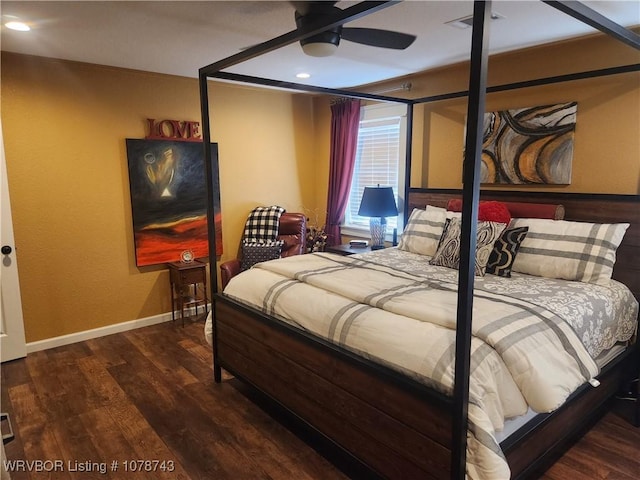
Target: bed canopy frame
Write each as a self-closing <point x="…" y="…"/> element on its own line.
<point x="470" y="192"/>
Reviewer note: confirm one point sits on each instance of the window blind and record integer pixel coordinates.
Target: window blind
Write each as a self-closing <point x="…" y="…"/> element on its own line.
<point x="377" y="163"/>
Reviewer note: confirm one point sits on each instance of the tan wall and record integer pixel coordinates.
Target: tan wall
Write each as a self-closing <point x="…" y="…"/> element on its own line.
<point x="322" y="155"/>
<point x="65" y="126"/>
<point x="607" y="145"/>
<point x="606" y="157"/>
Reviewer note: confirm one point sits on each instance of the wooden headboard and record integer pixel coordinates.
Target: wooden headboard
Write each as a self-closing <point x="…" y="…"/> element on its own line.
<point x="596" y="208"/>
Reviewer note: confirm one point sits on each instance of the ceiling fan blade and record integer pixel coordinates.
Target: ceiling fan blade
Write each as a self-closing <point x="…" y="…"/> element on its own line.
<point x="378" y="38"/>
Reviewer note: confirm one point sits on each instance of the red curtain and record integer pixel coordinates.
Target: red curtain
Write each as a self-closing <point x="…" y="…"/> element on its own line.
<point x="345" y="121"/>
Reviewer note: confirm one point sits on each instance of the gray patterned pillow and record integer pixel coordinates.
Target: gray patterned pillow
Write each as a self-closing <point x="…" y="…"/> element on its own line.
<point x="448" y="253"/>
<point x="253" y="253"/>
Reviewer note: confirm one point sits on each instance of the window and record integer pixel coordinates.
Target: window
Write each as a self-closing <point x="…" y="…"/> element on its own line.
<point x="380" y="160"/>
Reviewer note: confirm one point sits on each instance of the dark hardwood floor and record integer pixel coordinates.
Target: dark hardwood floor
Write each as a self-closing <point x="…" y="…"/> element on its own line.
<point x="149" y="395"/>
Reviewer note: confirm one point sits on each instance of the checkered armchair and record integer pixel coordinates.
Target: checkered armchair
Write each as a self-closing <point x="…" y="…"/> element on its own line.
<point x="292" y="233"/>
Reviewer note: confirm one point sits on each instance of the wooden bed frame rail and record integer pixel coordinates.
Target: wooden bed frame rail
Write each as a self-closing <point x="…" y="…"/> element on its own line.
<point x="392" y="426"/>
<point x="535" y="447"/>
<point x="367" y="410"/>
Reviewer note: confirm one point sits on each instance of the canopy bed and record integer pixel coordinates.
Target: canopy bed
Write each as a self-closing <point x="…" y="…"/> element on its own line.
<point x="379" y="406"/>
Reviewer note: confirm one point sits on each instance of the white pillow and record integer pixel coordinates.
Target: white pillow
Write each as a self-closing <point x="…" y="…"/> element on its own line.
<point x="423" y="230"/>
<point x="567" y="250"/>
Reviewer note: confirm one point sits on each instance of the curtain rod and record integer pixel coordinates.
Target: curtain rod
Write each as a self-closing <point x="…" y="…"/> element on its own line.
<point x="402" y="87"/>
<point x="407" y="86"/>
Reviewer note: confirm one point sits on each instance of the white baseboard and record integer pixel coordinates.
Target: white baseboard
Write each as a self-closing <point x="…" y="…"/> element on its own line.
<point x="98" y="332"/>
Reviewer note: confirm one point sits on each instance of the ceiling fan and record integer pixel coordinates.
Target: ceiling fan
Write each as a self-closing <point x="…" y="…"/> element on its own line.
<point x="326" y="43"/>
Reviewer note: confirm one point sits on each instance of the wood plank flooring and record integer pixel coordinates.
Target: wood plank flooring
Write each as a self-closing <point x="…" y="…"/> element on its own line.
<point x="149" y="394"/>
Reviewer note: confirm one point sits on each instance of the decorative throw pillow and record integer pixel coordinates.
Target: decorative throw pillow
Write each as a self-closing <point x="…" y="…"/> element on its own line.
<point x="253" y="253"/>
<point x="492" y="211"/>
<point x="423" y="230"/>
<point x="505" y="250"/>
<point x="488" y="210"/>
<point x="579" y="251"/>
<point x="262" y="224"/>
<point x="448" y="253"/>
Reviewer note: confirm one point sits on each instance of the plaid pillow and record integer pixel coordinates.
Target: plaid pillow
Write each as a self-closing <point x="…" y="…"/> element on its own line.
<point x="578" y="251"/>
<point x="262" y="224"/>
<point x="253" y="253"/>
<point x="423" y="231"/>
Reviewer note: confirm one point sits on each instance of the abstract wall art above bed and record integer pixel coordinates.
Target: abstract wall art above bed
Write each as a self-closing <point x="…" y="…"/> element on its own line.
<point x="529" y="145"/>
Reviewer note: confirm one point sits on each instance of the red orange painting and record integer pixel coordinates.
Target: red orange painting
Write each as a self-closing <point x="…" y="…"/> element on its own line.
<point x="169" y="200"/>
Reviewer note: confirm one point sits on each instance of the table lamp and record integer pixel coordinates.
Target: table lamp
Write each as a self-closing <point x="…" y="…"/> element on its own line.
<point x="378" y="203"/>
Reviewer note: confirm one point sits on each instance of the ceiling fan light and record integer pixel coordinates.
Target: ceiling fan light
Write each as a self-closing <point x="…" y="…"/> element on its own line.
<point x="319" y="49"/>
<point x="323" y="44"/>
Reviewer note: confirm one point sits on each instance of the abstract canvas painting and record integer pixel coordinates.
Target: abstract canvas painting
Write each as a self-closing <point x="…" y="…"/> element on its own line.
<point x="169" y="200"/>
<point x="529" y="145"/>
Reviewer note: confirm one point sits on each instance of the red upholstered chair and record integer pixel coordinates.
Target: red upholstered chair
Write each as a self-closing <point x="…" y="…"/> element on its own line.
<point x="292" y="230"/>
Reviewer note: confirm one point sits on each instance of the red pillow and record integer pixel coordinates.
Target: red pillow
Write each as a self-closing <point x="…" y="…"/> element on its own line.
<point x="488" y="211"/>
<point x="492" y="211"/>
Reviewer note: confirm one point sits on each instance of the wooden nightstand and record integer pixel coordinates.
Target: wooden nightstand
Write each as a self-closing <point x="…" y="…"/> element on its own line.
<point x="347" y="249"/>
<point x="188" y="287"/>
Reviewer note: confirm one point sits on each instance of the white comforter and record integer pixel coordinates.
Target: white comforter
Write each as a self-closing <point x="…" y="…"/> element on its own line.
<point x="522" y="354"/>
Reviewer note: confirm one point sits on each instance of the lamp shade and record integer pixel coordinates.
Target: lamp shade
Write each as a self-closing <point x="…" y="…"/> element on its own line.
<point x="378" y="202"/>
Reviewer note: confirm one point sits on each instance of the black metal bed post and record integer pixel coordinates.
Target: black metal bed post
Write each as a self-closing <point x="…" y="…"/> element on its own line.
<point x="569" y="77"/>
<point x="215" y="70"/>
<point x="407" y="162"/>
<point x="470" y="201"/>
<point x="587" y="15"/>
<point x="211" y="172"/>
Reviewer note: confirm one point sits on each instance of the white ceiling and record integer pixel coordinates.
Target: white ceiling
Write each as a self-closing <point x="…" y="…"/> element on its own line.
<point x="179" y="37"/>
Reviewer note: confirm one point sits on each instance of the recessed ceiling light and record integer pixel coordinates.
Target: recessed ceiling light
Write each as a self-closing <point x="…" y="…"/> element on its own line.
<point x="19" y="26"/>
<point x="303" y="75"/>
